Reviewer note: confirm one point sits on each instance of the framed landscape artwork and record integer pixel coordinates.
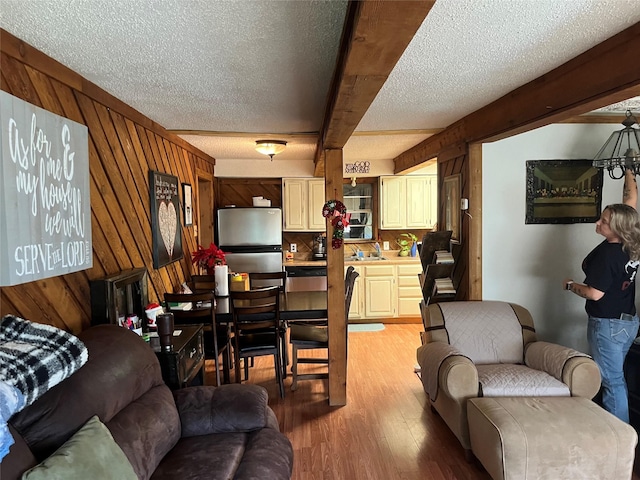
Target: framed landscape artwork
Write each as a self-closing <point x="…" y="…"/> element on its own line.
<point x="165" y="218"/>
<point x="563" y="191"/>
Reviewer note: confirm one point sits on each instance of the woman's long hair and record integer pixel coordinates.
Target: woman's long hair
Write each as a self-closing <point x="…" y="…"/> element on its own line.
<point x="625" y="222"/>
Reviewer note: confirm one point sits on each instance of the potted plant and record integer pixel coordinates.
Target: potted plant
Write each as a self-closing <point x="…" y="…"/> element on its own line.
<point x="208" y="258"/>
<point x="407" y="244"/>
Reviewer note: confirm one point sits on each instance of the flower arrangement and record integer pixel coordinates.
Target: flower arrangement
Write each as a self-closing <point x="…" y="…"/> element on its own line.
<point x="208" y="258"/>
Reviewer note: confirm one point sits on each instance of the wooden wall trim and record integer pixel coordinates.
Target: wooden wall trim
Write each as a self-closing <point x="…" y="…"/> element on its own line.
<point x="474" y="260"/>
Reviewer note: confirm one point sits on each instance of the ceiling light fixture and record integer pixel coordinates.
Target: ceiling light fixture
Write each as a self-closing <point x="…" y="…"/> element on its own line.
<point x="353" y="181"/>
<point x="621" y="150"/>
<point x="270" y="147"/>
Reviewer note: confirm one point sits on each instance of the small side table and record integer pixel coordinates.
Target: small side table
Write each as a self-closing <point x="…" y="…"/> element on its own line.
<point x="185" y="364"/>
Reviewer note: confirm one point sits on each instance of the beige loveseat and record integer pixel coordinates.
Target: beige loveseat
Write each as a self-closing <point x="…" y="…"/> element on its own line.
<point x="489" y="348"/>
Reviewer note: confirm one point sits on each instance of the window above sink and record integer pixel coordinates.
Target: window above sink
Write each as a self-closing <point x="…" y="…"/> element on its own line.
<point x="359" y="201"/>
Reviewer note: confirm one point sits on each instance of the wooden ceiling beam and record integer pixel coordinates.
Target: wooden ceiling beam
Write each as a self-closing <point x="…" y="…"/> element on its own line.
<point x="375" y="36"/>
<point x="604" y="74"/>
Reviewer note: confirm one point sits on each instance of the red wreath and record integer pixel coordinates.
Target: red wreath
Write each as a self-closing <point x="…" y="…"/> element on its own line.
<point x="337" y="212"/>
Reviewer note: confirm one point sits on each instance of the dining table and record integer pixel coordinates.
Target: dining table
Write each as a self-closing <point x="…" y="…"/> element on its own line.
<point x="293" y="306"/>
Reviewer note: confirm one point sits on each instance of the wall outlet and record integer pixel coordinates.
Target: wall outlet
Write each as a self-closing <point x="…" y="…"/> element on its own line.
<point x="293" y="247"/>
<point x="385" y="245"/>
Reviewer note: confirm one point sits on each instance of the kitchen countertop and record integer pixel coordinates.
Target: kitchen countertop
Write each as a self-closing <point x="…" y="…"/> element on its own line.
<point x="391" y="257"/>
<point x="305" y="263"/>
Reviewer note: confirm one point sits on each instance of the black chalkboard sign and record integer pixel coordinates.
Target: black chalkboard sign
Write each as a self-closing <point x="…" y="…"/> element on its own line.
<point x="165" y="218"/>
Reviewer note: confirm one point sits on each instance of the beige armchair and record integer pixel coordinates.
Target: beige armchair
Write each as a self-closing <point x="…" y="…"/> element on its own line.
<point x="489" y="348"/>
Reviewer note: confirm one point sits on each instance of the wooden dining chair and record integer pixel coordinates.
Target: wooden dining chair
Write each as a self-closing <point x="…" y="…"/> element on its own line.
<point x="266" y="279"/>
<point x="256" y="329"/>
<point x="200" y="283"/>
<point x="315" y="336"/>
<point x="199" y="307"/>
<point x="279" y="279"/>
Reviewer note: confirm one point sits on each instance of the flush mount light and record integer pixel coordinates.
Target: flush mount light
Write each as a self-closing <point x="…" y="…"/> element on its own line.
<point x="270" y="147"/>
<point x="621" y="150"/>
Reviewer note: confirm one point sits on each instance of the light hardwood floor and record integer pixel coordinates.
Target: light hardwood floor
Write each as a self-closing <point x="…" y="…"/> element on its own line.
<point x="385" y="432"/>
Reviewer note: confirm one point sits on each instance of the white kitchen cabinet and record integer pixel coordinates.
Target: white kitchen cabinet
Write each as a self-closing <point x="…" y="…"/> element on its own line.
<point x="408" y="202"/>
<point x="421" y="201"/>
<point x="316" y="222"/>
<point x="409" y="291"/>
<point x="302" y="201"/>
<point x="294" y="196"/>
<point x="380" y="295"/>
<point x="393" y="200"/>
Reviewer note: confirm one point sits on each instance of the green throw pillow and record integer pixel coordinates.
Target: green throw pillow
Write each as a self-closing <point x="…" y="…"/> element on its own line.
<point x="90" y="454"/>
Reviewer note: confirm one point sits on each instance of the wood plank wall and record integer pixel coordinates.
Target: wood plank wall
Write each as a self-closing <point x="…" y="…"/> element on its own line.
<point x="451" y="162"/>
<point x="240" y="191"/>
<point x="123" y="146"/>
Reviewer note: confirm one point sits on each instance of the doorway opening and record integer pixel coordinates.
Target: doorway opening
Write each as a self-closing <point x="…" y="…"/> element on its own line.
<point x="204" y="233"/>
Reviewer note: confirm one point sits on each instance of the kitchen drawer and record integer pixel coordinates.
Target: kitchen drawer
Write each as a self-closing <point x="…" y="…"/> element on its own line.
<point x="409" y="281"/>
<point x="409" y="291"/>
<point x="191" y="356"/>
<point x="379" y="270"/>
<point x="412" y="269"/>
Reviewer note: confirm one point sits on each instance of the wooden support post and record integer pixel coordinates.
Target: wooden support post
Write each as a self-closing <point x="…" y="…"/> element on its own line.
<point x="475" y="221"/>
<point x="335" y="289"/>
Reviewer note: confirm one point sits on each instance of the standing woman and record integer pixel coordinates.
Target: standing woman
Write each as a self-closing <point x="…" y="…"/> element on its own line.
<point x="609" y="288"/>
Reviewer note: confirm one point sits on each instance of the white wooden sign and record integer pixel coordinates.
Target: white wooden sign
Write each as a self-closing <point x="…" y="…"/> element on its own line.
<point x="45" y="209"/>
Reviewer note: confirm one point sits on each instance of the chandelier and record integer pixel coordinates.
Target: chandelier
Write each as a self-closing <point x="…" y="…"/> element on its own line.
<point x="621" y="150"/>
<point x="270" y="147"/>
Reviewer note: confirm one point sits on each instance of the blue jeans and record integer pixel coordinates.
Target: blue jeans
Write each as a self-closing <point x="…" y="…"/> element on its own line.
<point x="610" y="339"/>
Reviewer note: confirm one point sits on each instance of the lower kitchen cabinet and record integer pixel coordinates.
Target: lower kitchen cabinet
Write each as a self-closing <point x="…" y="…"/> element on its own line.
<point x="409" y="291"/>
<point x="380" y="298"/>
<point x="386" y="290"/>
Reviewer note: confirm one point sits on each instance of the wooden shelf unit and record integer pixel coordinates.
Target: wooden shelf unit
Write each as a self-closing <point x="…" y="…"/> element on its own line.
<point x="431" y="243"/>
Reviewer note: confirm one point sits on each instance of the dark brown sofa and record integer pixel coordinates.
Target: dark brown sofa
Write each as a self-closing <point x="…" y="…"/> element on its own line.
<point x="194" y="433"/>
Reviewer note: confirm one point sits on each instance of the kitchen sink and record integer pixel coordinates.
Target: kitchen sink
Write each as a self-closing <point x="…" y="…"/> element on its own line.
<point x="354" y="258"/>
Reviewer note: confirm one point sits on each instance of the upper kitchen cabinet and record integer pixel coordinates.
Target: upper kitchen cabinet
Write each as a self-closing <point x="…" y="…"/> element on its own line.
<point x="302" y="202"/>
<point x="408" y="202"/>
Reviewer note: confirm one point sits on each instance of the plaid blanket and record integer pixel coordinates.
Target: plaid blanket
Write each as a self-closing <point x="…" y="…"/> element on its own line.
<point x="34" y="357"/>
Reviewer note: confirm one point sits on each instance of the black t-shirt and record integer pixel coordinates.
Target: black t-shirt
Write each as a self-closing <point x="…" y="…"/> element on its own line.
<point x="608" y="269"/>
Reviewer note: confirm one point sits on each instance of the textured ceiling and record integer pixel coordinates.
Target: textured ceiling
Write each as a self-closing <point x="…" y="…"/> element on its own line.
<point x="247" y="70"/>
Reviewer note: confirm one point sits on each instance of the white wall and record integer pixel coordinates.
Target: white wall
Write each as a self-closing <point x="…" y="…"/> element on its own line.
<point x="263" y="168"/>
<point x="526" y="264"/>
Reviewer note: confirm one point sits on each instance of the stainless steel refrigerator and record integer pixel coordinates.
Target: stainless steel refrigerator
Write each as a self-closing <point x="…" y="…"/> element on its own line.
<point x="251" y="238"/>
